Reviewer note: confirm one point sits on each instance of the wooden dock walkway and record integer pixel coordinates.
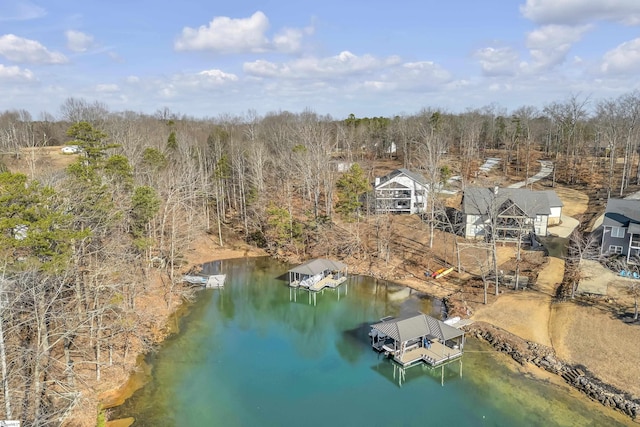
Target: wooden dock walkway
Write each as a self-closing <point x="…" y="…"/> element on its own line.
<point x="327" y="282"/>
<point x="435" y="355"/>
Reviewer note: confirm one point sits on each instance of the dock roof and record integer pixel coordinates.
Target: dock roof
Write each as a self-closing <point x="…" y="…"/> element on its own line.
<point x="317" y="266"/>
<point x="415" y="326"/>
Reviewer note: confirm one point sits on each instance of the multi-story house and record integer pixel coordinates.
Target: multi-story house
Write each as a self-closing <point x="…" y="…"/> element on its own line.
<point x="401" y="191"/>
<point x="621" y="229"/>
<point x="510" y="213"/>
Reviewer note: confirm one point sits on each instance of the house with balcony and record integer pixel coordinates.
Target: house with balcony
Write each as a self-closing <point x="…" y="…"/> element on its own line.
<point x="510" y="213"/>
<point x="401" y="191"/>
<point x="621" y="229"/>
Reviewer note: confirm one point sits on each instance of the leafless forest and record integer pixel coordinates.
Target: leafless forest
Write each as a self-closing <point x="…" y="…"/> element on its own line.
<point x="81" y="243"/>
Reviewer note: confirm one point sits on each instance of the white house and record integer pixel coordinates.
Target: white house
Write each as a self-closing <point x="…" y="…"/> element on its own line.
<point x="401" y="191"/>
<point x="512" y="212"/>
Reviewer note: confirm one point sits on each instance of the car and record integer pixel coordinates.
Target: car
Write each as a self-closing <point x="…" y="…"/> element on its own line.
<point x="71" y="149"/>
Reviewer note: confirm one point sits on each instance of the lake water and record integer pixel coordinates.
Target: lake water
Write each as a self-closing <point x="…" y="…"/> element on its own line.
<point x="257" y="353"/>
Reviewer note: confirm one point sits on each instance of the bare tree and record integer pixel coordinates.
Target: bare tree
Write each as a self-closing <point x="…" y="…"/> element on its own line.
<point x="582" y="247"/>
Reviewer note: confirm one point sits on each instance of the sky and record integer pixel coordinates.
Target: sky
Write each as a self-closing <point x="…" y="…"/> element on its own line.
<point x="205" y="58"/>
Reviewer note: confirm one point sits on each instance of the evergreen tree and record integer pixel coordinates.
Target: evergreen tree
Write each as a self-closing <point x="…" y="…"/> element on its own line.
<point x="172" y="141"/>
<point x="351" y="186"/>
<point x="33" y="231"/>
<point x="144" y="206"/>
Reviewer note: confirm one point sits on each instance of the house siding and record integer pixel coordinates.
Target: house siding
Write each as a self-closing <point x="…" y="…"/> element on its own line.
<point x="556" y="214"/>
<point x="608" y="240"/>
<point x="540" y="225"/>
<point x="475" y="227"/>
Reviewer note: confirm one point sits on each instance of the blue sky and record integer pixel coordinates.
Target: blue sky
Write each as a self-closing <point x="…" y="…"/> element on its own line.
<point x="371" y="58"/>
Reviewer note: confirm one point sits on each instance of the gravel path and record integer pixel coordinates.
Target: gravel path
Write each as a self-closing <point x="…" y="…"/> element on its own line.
<point x="546" y="167"/>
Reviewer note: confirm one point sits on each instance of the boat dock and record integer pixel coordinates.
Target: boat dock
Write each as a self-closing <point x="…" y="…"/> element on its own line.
<point x="317" y="274"/>
<point x="417" y="338"/>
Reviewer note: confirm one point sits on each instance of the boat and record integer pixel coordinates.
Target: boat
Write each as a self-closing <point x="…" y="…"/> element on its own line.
<point x="443" y="272"/>
<point x="195" y="280"/>
<point x="212" y="281"/>
<point x="438" y="271"/>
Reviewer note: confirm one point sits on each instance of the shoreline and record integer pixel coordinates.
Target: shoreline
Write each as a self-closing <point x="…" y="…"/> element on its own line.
<point x="528" y="354"/>
<point x="534" y="356"/>
<point x="139" y="376"/>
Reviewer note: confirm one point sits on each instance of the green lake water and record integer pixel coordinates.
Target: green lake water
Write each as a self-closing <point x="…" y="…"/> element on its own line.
<point x="257" y="353"/>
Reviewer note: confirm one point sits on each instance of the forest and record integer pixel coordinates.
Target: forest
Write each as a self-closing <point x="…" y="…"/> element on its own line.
<point x="81" y="244"/>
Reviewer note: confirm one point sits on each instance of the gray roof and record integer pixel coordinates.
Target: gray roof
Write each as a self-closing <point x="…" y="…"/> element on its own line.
<point x="621" y="212"/>
<point x="316" y="266"/>
<point x="554" y="200"/>
<point x="478" y="201"/>
<point x="402" y="171"/>
<point x="416" y="326"/>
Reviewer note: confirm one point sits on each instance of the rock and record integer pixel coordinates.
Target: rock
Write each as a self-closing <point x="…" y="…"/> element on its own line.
<point x="522" y="352"/>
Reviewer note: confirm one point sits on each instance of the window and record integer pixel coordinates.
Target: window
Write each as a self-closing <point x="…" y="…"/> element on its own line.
<point x="615" y="249"/>
<point x="617" y="232"/>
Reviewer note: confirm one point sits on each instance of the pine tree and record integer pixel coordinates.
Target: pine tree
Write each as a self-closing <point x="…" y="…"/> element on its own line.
<point x="351" y="186"/>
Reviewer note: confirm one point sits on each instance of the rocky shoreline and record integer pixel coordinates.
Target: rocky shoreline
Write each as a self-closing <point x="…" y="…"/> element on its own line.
<point x="524" y="352"/>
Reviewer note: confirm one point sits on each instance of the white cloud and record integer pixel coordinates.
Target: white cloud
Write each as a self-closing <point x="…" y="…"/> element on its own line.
<point x="115" y="57"/>
<point x="501" y="61"/>
<point x="240" y="35"/>
<point x="218" y="76"/>
<point x="623" y="59"/>
<point x="20" y="10"/>
<point x="424" y="72"/>
<point x="549" y="45"/>
<point x="107" y="88"/>
<point x="289" y="40"/>
<point x="347" y="73"/>
<point x="15" y="73"/>
<point x="78" y="41"/>
<point x="227" y="35"/>
<point x="183" y="85"/>
<point x="343" y="64"/>
<point x="411" y="76"/>
<point x="573" y="12"/>
<point x="18" y="49"/>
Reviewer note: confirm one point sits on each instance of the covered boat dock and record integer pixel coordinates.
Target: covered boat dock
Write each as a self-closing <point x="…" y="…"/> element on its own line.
<point x="417" y="338"/>
<point x="318" y="274"/>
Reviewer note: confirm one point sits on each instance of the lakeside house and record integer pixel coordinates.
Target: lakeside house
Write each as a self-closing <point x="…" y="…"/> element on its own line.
<point x="513" y="212"/>
<point x="621" y="229"/>
<point x="401" y="191"/>
<point x="417" y="338"/>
